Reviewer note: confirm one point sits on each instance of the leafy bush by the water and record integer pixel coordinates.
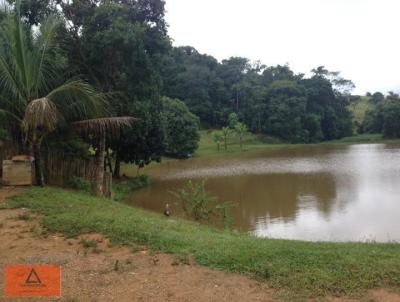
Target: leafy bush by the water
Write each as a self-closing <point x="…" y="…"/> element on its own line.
<point x="195" y="200"/>
<point x="198" y="204"/>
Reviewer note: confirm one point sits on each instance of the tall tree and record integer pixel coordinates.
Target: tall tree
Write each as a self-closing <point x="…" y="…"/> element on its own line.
<point x="377" y="97"/>
<point x="119" y="45"/>
<point x="286" y="110"/>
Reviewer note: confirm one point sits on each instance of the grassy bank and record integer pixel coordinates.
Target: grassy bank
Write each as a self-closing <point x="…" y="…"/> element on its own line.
<point x="367" y="138"/>
<point x="297" y="269"/>
<point x="252" y="142"/>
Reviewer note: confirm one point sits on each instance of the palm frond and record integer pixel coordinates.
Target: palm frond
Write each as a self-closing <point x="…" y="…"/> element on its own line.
<point x="9" y="79"/>
<point x="22" y="40"/>
<point x="46" y="48"/>
<point x="99" y="126"/>
<point x="41" y="114"/>
<point x="78" y="100"/>
<point x="15" y="56"/>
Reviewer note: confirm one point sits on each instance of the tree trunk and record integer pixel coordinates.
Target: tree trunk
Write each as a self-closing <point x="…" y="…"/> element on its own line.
<point x="99" y="177"/>
<point x="117" y="167"/>
<point x="109" y="164"/>
<point x="38" y="164"/>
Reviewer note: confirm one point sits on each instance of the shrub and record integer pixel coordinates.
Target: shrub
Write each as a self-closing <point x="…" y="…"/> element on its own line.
<point x="181" y="128"/>
<point x="198" y="204"/>
<point x="195" y="200"/>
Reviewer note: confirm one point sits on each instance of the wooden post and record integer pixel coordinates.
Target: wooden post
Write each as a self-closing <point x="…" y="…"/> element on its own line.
<point x="99" y="176"/>
<point x="107" y="185"/>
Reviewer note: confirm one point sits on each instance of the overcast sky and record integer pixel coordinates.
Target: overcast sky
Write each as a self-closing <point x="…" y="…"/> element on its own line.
<point x="360" y="38"/>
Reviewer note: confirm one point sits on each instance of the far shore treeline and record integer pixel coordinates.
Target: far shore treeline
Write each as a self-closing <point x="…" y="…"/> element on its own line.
<point x="123" y="51"/>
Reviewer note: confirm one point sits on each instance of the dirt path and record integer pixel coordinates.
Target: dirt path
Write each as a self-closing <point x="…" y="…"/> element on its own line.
<point x="115" y="273"/>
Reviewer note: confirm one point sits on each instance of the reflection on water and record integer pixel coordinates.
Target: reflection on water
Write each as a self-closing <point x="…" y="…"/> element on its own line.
<point x="338" y="193"/>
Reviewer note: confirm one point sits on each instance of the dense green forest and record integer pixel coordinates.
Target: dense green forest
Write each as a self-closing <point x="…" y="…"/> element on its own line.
<point x="383" y="115"/>
<point x="121" y="48"/>
<point x="270" y="100"/>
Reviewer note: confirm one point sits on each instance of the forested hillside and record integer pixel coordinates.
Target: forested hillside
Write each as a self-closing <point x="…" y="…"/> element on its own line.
<point x="383" y="116"/>
<point x="271" y="100"/>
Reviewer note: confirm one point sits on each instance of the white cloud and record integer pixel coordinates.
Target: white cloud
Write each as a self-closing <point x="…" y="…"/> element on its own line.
<point x="357" y="37"/>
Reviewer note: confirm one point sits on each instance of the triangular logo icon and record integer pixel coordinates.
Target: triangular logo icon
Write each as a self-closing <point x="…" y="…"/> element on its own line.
<point x="33" y="278"/>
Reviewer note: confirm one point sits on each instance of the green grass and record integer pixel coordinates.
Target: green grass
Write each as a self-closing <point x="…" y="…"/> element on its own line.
<point x="208" y="148"/>
<point x="251" y="142"/>
<point x="297" y="269"/>
<point x="367" y="138"/>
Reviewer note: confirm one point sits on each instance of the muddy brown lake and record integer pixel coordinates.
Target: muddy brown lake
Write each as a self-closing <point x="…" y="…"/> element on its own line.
<point x="317" y="193"/>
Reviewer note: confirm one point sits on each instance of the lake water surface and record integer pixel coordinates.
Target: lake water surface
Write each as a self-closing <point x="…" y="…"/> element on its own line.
<point x="334" y="193"/>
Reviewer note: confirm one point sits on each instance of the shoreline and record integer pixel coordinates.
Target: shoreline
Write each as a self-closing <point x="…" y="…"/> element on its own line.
<point x="296" y="268"/>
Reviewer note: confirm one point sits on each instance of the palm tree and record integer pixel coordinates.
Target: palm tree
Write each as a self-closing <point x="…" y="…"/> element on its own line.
<point x="217" y="136"/>
<point x="225" y="131"/>
<point x="240" y="130"/>
<point x="34" y="98"/>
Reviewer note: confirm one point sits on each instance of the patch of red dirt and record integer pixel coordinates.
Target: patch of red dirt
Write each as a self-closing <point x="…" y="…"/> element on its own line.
<point x="115" y="273"/>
